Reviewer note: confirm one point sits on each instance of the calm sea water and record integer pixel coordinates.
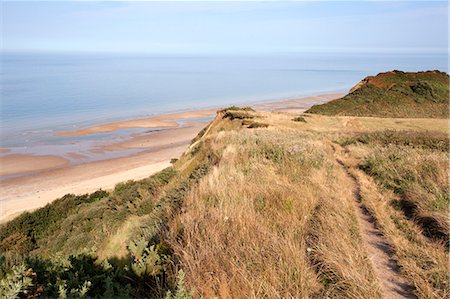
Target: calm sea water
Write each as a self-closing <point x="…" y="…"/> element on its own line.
<point x="42" y="93"/>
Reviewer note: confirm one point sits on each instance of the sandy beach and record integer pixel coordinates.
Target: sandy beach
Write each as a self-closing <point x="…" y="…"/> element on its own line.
<point x="22" y="164"/>
<point x="32" y="181"/>
<point x="163" y="121"/>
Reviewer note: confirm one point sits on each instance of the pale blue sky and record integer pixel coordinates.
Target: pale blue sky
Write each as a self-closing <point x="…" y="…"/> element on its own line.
<point x="225" y="27"/>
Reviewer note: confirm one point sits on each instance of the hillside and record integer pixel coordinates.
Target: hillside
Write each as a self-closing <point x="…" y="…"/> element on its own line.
<point x="260" y="205"/>
<point x="394" y="94"/>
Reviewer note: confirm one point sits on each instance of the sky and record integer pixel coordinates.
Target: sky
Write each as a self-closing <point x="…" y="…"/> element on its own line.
<point x="225" y="27"/>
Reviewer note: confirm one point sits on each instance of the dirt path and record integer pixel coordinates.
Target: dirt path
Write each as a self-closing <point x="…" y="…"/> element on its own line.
<point x="392" y="284"/>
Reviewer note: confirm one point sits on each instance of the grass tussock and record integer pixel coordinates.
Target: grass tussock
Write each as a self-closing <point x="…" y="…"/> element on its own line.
<point x="233" y="112"/>
<point x="299" y="119"/>
<point x="255" y="125"/>
<point x="235" y="108"/>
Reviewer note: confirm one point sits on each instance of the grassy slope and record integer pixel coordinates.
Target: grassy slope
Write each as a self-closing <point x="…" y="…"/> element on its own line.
<point x="250" y="211"/>
<point x="394" y="94"/>
<point x="404" y="185"/>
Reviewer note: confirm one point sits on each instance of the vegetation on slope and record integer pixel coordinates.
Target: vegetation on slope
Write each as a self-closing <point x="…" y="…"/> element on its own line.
<point x="248" y="211"/>
<point x="394" y="94"/>
<point x="104" y="244"/>
<point x="404" y="182"/>
<point x="414" y="166"/>
<point x="263" y="222"/>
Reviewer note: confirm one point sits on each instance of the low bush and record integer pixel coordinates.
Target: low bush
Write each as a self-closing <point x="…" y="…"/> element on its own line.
<point x="81" y="215"/>
<point x="235" y="108"/>
<point x="238" y="114"/>
<point x="255" y="125"/>
<point x="299" y="119"/>
<point x="23" y="232"/>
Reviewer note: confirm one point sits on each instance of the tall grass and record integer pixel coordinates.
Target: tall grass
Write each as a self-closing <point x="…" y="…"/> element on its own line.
<point x="404" y="184"/>
<point x="424" y="263"/>
<point x="420" y="177"/>
<point x="244" y="213"/>
<point x="245" y="228"/>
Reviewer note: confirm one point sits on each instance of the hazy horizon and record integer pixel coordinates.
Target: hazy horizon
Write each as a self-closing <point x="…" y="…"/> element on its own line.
<point x="230" y="28"/>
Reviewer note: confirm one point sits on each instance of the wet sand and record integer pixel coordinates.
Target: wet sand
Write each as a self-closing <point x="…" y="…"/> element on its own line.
<point x="170" y="137"/>
<point x="164" y="121"/>
<point x="22" y="164"/>
<point x="38" y="180"/>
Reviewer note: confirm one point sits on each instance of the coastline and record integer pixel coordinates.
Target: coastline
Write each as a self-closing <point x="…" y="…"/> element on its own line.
<point x="159" y="121"/>
<point x="38" y="180"/>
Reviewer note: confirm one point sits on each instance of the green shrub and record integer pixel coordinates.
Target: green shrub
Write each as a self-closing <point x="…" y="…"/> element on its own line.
<point x="237" y="115"/>
<point x="16" y="282"/>
<point x="145" y="259"/>
<point x="235" y="108"/>
<point x="22" y="233"/>
<point x="82" y="215"/>
<point x="299" y="119"/>
<point x="180" y="292"/>
<point x="254" y="125"/>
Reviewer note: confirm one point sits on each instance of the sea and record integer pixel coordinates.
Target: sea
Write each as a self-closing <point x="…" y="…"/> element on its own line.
<point x="43" y="93"/>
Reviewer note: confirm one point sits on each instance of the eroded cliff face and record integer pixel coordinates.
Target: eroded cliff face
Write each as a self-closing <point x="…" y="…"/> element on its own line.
<point x="360" y="84"/>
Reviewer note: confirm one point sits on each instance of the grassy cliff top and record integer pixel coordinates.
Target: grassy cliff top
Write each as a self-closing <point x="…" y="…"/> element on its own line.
<point x="261" y="204"/>
<point x="394" y="94"/>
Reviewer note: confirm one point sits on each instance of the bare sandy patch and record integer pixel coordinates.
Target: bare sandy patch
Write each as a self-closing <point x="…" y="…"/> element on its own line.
<point x="162" y="138"/>
<point x="163" y="121"/>
<point x="15" y="163"/>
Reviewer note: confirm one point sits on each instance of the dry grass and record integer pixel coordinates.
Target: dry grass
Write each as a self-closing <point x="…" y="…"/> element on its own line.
<point x="420" y="177"/>
<point x="405" y="187"/>
<point x="239" y="238"/>
<point x="423" y="262"/>
<point x="275" y="217"/>
<point x="263" y="223"/>
<point x="336" y="243"/>
<point x="269" y="212"/>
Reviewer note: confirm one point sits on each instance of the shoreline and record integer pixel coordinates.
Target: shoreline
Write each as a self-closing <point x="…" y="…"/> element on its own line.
<point x="39" y="180"/>
<point x="157" y="121"/>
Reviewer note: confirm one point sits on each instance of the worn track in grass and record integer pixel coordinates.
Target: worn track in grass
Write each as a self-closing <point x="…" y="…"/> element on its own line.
<point x="392" y="284"/>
